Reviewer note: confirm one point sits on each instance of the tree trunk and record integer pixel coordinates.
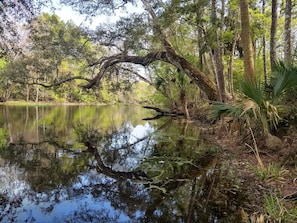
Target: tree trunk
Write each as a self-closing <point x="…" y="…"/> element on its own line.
<point x="287" y="33"/>
<point x="273" y="33"/>
<point x="198" y="77"/>
<point x="184" y="103"/>
<point x="264" y="48"/>
<point x="6" y="93"/>
<point x="200" y="47"/>
<point x="217" y="52"/>
<point x="230" y="69"/>
<point x="248" y="54"/>
<point x="37" y="94"/>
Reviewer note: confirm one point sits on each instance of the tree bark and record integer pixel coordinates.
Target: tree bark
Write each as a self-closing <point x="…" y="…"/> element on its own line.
<point x="273" y="33"/>
<point x="184" y="103"/>
<point x="230" y="68"/>
<point x="287" y="33"/>
<point x="217" y="53"/>
<point x="248" y="54"/>
<point x="264" y="48"/>
<point x="37" y="93"/>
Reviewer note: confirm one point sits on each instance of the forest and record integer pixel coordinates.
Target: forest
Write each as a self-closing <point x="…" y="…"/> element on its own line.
<point x="230" y="64"/>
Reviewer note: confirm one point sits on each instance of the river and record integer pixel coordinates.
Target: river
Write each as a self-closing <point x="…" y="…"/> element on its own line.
<point x="111" y="164"/>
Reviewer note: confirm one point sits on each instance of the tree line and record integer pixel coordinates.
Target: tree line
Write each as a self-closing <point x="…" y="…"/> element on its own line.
<point x="192" y="50"/>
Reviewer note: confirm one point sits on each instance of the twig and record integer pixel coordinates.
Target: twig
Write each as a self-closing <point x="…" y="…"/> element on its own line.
<point x="255" y="149"/>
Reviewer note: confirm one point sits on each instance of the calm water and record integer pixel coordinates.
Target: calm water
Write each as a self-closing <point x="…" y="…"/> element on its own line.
<point x="107" y="164"/>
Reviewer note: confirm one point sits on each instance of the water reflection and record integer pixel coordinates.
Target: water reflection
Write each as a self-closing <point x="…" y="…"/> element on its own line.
<point x="106" y="164"/>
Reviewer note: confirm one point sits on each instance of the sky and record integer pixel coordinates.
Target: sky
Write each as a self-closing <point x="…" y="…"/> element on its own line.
<point x="66" y="14"/>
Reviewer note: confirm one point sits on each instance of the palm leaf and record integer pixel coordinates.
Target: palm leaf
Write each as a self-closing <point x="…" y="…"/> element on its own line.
<point x="250" y="105"/>
<point x="253" y="92"/>
<point x="285" y="77"/>
<point x="220" y="109"/>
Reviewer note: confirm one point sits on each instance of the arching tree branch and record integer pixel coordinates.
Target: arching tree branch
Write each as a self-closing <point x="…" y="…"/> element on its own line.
<point x="169" y="56"/>
<point x="198" y="77"/>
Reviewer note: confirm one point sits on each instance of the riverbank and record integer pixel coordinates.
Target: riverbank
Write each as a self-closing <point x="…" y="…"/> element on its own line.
<point x="25" y="103"/>
<point x="269" y="176"/>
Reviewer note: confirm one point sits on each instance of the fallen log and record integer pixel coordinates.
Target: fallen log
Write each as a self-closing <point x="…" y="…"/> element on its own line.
<point x="163" y="112"/>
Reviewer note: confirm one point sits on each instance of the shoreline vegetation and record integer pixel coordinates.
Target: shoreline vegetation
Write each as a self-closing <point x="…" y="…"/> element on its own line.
<point x="24" y="103"/>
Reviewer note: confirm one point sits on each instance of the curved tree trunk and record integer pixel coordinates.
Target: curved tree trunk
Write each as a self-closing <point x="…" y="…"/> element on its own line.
<point x="198" y="77"/>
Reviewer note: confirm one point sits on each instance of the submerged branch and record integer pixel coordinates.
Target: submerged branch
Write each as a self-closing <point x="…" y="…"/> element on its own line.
<point x="163" y="112"/>
<point x="102" y="168"/>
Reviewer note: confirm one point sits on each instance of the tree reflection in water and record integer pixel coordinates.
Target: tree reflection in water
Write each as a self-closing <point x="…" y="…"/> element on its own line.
<point x="166" y="174"/>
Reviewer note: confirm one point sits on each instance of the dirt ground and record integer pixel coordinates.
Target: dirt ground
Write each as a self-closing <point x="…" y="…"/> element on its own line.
<point x="282" y="184"/>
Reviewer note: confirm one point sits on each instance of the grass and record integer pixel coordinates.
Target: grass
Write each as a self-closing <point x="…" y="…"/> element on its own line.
<point x="277" y="211"/>
<point x="25" y="103"/>
<point x="273" y="171"/>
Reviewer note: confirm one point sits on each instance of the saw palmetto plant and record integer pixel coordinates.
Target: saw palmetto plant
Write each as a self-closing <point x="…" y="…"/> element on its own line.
<point x="256" y="104"/>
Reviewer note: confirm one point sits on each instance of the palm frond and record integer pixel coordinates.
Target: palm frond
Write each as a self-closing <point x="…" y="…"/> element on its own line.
<point x="250" y="105"/>
<point x="220" y="109"/>
<point x="272" y="114"/>
<point x="285" y="77"/>
<point x="253" y="92"/>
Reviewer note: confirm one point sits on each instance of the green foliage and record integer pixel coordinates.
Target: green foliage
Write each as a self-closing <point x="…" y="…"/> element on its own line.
<point x="253" y="92"/>
<point x="284" y="78"/>
<point x="238" y="75"/>
<point x="220" y="109"/>
<point x="3" y="63"/>
<point x="277" y="211"/>
<point x="258" y="104"/>
<point x="250" y="106"/>
<point x="142" y="93"/>
<point x="272" y="172"/>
